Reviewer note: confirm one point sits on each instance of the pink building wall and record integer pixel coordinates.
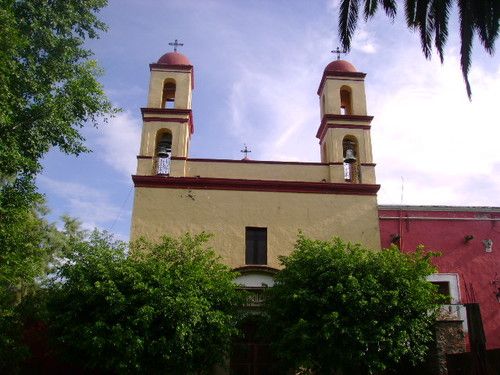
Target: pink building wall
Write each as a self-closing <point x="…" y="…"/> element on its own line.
<point x="445" y="229"/>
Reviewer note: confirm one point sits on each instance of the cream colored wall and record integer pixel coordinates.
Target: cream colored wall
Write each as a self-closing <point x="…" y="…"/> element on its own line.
<point x="159" y="211"/>
<point x="331" y="90"/>
<point x="254" y="171"/>
<point x="337" y="135"/>
<point x="180" y="137"/>
<point x="258" y="171"/>
<point x="333" y="139"/>
<point x="183" y="90"/>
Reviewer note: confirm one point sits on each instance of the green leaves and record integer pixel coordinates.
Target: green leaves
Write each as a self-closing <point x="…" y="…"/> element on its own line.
<point x="50" y="87"/>
<point x="169" y="306"/>
<point x="338" y="306"/>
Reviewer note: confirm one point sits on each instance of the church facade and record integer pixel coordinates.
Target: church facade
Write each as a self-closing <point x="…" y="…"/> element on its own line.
<point x="255" y="208"/>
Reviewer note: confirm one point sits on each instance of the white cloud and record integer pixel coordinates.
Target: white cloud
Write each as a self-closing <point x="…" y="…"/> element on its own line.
<point x="118" y="142"/>
<point x="93" y="207"/>
<point x="364" y="39"/>
<point x="274" y="105"/>
<point x="427" y="131"/>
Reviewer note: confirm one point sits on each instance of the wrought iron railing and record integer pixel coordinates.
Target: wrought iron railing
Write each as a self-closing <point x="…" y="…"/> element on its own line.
<point x="161" y="165"/>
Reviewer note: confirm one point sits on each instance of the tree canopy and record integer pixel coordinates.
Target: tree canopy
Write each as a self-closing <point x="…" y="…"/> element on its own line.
<point x="167" y="307"/>
<point x="48" y="92"/>
<point x="48" y="81"/>
<point x="430" y="19"/>
<point x="341" y="307"/>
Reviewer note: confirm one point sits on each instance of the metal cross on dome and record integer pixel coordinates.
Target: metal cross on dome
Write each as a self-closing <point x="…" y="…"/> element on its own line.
<point x="175" y="44"/>
<point x="338" y="51"/>
<point x="246" y="151"/>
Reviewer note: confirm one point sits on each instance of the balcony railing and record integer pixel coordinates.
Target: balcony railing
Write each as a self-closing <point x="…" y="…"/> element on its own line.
<point x="161" y="165"/>
<point x="452" y="312"/>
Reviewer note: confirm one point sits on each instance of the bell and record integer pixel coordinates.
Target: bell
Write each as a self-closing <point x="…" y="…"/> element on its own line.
<point x="163" y="150"/>
<point x="349" y="156"/>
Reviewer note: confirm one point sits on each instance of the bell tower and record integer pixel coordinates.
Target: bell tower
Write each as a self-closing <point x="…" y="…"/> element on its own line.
<point x="344" y="132"/>
<point x="167" y="119"/>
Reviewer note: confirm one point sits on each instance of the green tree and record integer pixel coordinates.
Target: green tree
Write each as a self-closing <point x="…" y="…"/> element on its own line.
<point x="48" y="92"/>
<point x="29" y="245"/>
<point x="167" y="307"/>
<point x="48" y="81"/>
<point x="341" y="307"/>
<point x="430" y="19"/>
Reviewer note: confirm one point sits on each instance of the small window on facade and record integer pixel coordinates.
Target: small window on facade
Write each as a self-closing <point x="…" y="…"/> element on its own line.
<point x="256" y="245"/>
<point x="443" y="287"/>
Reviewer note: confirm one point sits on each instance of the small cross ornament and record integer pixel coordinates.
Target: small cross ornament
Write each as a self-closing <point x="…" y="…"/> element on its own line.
<point x="246" y="151"/>
<point x="338" y="51"/>
<point x="175" y="44"/>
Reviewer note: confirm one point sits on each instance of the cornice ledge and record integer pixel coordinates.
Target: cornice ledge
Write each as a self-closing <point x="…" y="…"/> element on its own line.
<point x="209" y="183"/>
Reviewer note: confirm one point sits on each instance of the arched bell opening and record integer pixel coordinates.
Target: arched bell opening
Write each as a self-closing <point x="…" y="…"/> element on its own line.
<point x="168" y="96"/>
<point x="345" y="100"/>
<point x="352" y="171"/>
<point x="163" y="153"/>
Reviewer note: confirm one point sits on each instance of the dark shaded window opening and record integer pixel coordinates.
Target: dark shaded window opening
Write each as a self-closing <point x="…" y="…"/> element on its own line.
<point x="351" y="161"/>
<point x="345" y="101"/>
<point x="163" y="154"/>
<point x="256" y="245"/>
<point x="169" y="94"/>
<point x="443" y="287"/>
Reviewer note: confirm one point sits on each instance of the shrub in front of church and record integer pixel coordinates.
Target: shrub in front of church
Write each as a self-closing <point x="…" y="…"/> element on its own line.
<point x="168" y="307"/>
<point x="340" y="308"/>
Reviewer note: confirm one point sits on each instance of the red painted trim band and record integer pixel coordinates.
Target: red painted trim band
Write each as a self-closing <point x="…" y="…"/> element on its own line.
<point x="144" y="157"/>
<point x="166" y="119"/>
<point x="175" y="111"/>
<point x="333" y="117"/>
<point x="208" y="183"/>
<point x="170" y="111"/>
<point x="168" y="67"/>
<point x="338" y="74"/>
<point x="324" y="127"/>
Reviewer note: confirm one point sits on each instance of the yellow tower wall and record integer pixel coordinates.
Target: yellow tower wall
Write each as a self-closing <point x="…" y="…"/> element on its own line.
<point x="182" y="92"/>
<point x="331" y="89"/>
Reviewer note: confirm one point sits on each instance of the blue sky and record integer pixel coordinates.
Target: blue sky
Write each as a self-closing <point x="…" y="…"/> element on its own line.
<point x="258" y="65"/>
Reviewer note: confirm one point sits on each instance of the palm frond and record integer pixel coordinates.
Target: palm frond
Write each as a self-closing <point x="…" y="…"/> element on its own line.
<point x="348" y="19"/>
<point x="425" y="24"/>
<point x="390" y="7"/>
<point x="439" y="12"/>
<point x="466" y="36"/>
<point x="411" y="13"/>
<point x="486" y="21"/>
<point x="370" y="8"/>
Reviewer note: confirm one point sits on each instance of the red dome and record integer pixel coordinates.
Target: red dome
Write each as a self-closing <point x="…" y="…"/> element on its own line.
<point x="340" y="66"/>
<point x="174" y="58"/>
